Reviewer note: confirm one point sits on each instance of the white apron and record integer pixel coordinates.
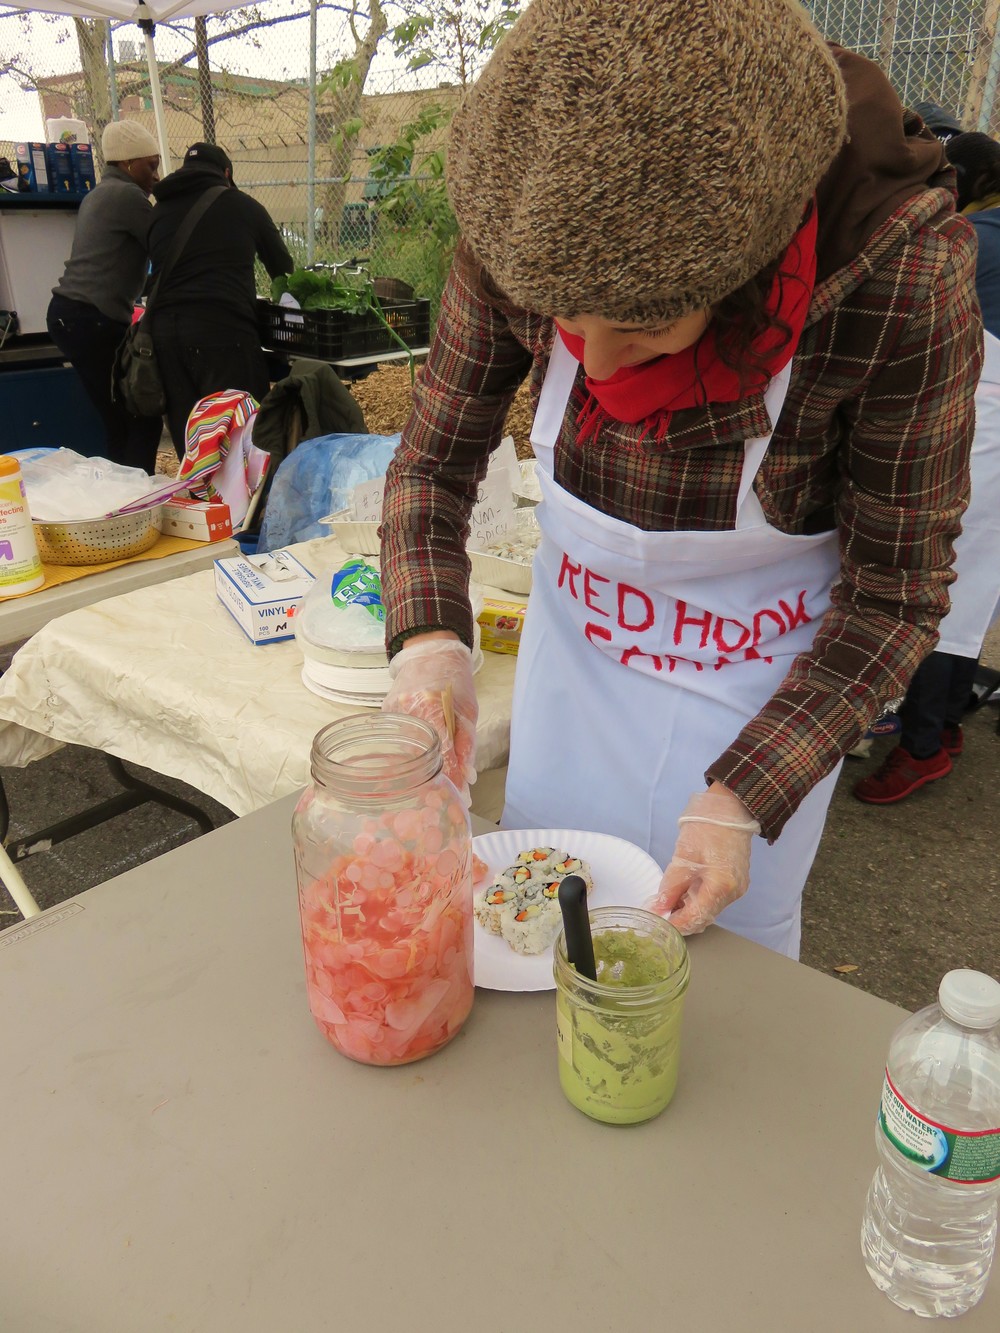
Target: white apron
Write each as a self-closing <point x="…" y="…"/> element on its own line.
<point x="976" y="588"/>
<point x="643" y="656"/>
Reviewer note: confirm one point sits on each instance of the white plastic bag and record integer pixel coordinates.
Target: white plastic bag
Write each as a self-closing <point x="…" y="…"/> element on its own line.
<point x="65" y="487"/>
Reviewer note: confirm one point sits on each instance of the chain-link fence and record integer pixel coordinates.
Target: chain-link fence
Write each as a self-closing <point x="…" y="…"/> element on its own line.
<point x="945" y="51"/>
<point x="349" y="163"/>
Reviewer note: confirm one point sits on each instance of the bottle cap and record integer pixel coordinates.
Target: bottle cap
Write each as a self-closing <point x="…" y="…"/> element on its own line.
<point x="8" y="465"/>
<point x="969" y="998"/>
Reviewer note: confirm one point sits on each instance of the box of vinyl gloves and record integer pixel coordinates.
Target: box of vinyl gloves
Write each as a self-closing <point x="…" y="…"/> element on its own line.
<point x="262" y="593"/>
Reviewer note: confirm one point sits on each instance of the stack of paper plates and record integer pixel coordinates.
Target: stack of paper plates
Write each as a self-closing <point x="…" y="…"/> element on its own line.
<point x="364" y="686"/>
<point x="344" y="657"/>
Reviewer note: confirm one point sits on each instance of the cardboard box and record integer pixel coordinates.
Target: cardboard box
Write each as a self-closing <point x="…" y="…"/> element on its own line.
<point x="32" y="167"/>
<point x="197" y="520"/>
<point x="262" y="593"/>
<point x="81" y="157"/>
<point x="500" y="624"/>
<point x="60" y="165"/>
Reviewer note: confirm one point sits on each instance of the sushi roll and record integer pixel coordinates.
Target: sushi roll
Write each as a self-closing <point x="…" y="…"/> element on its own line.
<point x="522" y="903"/>
<point x="491" y="902"/>
<point x="535" y="857"/>
<point x="534" y="922"/>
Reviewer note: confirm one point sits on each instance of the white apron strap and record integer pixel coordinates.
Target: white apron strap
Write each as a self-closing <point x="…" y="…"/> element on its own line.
<point x="557" y="386"/>
<point x="748" y="511"/>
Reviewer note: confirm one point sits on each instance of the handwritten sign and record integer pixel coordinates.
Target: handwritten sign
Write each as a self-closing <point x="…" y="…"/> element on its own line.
<point x="366" y="500"/>
<point x="494" y="512"/>
<point x="505" y="456"/>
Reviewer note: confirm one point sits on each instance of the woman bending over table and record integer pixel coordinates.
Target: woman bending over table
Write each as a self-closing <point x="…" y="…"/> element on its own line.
<point x="731" y="267"/>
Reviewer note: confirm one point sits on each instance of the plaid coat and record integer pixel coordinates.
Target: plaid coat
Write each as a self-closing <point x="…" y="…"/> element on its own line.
<point x="873" y="440"/>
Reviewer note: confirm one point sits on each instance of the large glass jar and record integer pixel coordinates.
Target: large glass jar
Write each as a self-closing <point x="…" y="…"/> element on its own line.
<point x="383" y="855"/>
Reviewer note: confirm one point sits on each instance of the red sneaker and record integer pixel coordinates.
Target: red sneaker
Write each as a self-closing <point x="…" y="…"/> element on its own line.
<point x="900" y="776"/>
<point x="953" y="740"/>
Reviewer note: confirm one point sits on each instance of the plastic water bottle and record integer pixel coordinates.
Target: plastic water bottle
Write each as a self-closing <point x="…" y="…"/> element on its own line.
<point x="930" y="1222"/>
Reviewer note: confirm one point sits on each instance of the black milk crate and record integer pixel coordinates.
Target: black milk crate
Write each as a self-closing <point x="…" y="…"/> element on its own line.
<point x="365" y="334"/>
<point x="303" y="332"/>
<point x="334" y="336"/>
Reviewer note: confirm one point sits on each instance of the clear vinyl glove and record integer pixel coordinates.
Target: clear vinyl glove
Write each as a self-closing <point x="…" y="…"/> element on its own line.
<point x="711" y="863"/>
<point x="432" y="679"/>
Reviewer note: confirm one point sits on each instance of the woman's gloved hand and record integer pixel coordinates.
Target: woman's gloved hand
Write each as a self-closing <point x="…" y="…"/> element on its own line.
<point x="711" y="863"/>
<point x="432" y="679"/>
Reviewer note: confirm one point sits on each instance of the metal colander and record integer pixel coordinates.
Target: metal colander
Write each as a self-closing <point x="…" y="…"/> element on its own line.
<point x="97" y="541"/>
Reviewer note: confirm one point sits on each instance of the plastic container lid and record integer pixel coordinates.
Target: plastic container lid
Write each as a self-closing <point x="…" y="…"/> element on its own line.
<point x="970" y="998"/>
<point x="8" y="465"/>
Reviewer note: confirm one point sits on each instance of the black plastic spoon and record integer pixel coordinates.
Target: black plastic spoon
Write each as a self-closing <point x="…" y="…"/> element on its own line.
<point x="576" y="925"/>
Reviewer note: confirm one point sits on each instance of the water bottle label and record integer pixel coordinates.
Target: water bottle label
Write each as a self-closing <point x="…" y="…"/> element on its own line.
<point x="358" y="584"/>
<point x="970" y="1156"/>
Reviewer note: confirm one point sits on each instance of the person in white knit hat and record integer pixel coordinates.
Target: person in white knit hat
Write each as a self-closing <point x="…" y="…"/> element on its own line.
<point x="91" y="306"/>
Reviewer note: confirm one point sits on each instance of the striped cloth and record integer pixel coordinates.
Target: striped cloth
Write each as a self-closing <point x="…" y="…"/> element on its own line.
<point x="214" y="423"/>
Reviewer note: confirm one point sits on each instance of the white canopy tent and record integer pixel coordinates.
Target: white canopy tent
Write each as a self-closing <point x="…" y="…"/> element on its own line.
<point x="146" y="16"/>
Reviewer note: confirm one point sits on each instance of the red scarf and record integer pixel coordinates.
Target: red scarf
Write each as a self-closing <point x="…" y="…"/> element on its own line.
<point x="651" y="391"/>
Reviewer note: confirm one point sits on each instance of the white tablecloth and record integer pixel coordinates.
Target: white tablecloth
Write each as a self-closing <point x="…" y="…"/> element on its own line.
<point x="164" y="677"/>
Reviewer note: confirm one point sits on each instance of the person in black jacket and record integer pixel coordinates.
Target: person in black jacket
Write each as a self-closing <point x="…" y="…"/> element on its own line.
<point x="204" y="321"/>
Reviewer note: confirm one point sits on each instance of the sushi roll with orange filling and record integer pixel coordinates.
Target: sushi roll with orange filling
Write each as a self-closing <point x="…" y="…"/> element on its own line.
<point x="492" y="901"/>
<point x="522" y="903"/>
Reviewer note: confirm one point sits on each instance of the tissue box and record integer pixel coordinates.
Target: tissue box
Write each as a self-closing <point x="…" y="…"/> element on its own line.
<point x="197" y="520"/>
<point x="262" y="593"/>
<point x="501" y="624"/>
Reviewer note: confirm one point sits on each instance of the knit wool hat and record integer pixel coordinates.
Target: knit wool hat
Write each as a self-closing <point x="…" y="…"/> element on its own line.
<point x="640" y="160"/>
<point x="125" y="140"/>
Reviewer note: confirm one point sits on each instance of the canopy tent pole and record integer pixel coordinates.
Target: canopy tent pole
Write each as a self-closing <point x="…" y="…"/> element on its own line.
<point x="112" y="74"/>
<point x="147" y="28"/>
<point x="311" y="177"/>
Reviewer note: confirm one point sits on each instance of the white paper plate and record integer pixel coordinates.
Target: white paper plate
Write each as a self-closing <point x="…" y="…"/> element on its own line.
<point x="369" y="680"/>
<point x="624" y="876"/>
<point x="339" y="696"/>
<point x="354" y="687"/>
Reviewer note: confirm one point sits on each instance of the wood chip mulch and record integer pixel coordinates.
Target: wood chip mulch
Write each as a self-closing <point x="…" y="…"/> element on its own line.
<point x="384" y="397"/>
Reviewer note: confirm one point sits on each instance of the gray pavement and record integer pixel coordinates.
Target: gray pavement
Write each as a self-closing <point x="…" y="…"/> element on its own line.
<point x="69" y="781"/>
<point x="904" y="893"/>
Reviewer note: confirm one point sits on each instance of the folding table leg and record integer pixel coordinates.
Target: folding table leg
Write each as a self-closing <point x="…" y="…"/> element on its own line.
<point x="145" y="791"/>
<point x="10" y="876"/>
<point x="133" y="792"/>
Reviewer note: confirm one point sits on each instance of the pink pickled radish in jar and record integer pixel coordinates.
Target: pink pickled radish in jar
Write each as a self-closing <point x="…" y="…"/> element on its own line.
<point x="383" y="855"/>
